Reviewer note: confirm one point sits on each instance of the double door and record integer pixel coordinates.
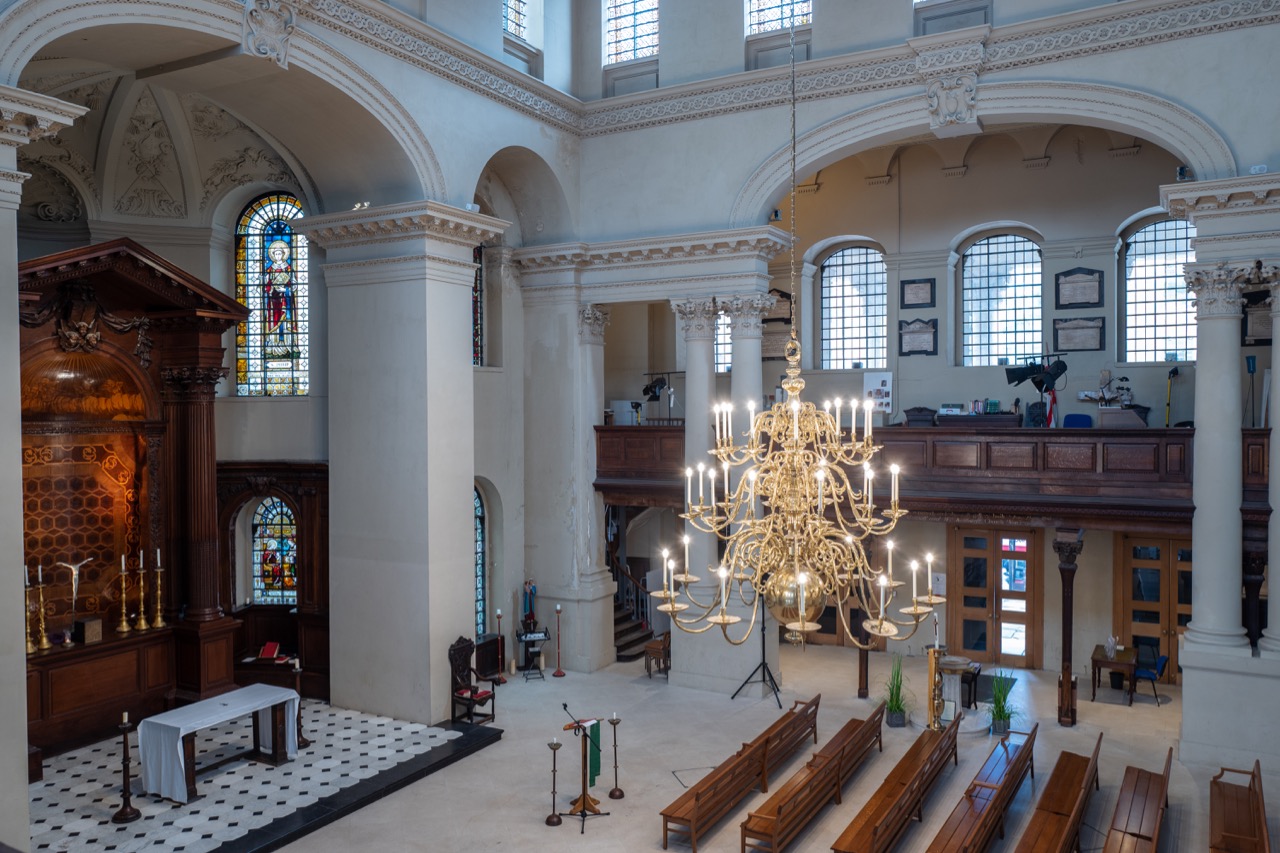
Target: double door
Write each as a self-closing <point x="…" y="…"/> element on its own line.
<point x="1154" y="576"/>
<point x="992" y="595"/>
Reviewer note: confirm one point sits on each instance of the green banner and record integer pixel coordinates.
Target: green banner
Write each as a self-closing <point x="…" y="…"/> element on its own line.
<point x="593" y="763"/>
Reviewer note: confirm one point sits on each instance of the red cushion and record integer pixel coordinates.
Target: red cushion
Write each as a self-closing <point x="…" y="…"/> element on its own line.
<point x="481" y="695"/>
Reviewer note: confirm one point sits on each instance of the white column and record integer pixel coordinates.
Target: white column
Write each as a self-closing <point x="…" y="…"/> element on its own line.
<point x="401" y="434"/>
<point x="1270" y="642"/>
<point x="1217" y="528"/>
<point x="24" y="117"/>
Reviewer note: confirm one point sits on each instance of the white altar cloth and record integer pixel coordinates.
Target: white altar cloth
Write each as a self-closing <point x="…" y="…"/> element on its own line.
<point x="160" y="737"/>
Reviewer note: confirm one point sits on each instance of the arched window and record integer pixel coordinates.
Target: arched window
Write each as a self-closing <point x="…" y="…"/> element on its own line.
<point x="723" y="343"/>
<point x="477" y="308"/>
<point x="1159" y="318"/>
<point x="630" y="30"/>
<point x="764" y="16"/>
<point x="275" y="550"/>
<point x="272" y="347"/>
<point x="1002" y="289"/>
<point x="482" y="545"/>
<point x="854" y="307"/>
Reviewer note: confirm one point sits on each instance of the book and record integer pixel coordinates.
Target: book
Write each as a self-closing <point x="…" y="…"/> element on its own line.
<point x="269" y="651"/>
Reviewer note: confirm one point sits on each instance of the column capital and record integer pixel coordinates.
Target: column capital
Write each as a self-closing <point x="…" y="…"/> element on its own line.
<point x="28" y="116"/>
<point x="745" y="311"/>
<point x="591" y="322"/>
<point x="395" y="223"/>
<point x="696" y="317"/>
<point x="1068" y="546"/>
<point x="192" y="381"/>
<point x="1217" y="289"/>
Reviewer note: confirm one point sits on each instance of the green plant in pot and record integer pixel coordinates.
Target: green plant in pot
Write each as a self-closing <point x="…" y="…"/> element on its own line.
<point x="1001" y="709"/>
<point x="895" y="695"/>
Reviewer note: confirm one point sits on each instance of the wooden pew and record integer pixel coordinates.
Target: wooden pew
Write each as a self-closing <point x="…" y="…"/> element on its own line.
<point x="1144" y="796"/>
<point x="713" y="796"/>
<point x="979" y="815"/>
<point x="1055" y="823"/>
<point x="885" y="816"/>
<point x="1237" y="814"/>
<point x="788" y="811"/>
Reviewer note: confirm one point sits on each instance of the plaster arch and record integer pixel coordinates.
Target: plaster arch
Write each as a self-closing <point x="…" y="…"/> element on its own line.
<point x="193" y="47"/>
<point x="1169" y="125"/>
<point x="822" y="249"/>
<point x="518" y="185"/>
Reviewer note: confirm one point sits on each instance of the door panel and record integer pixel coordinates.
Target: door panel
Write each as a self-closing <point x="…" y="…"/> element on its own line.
<point x="993" y="573"/>
<point x="1155" y="577"/>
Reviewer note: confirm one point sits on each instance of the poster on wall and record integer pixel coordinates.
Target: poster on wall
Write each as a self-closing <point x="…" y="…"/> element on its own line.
<point x="878" y="385"/>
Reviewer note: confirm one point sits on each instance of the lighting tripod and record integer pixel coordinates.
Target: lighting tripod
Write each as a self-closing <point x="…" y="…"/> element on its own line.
<point x="766" y="674"/>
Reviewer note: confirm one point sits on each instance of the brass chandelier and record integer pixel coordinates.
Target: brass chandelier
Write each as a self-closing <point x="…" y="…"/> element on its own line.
<point x="795" y="528"/>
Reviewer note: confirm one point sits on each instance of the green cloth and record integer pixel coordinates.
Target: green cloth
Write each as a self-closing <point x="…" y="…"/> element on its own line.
<point x="593" y="749"/>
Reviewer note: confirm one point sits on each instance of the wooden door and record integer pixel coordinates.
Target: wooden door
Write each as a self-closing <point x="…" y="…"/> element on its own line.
<point x="993" y="601"/>
<point x="1154" y="576"/>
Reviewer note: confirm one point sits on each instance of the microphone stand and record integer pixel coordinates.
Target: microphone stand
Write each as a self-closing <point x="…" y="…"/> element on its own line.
<point x="586" y="805"/>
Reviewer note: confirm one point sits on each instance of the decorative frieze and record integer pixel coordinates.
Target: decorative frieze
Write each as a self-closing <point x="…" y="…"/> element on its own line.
<point x="27" y="116"/>
<point x="760" y="243"/>
<point x="696" y="318"/>
<point x="591" y="322"/>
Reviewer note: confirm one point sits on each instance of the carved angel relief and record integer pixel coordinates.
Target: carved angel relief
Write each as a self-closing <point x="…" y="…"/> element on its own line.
<point x="76" y="313"/>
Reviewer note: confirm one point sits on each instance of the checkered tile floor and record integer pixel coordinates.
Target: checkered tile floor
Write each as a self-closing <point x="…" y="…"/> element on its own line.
<point x="71" y="809"/>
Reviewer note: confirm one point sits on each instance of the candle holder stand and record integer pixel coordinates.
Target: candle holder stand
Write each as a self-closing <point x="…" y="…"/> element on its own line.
<point x="44" y="636"/>
<point x="157" y="620"/>
<point x="616" y="793"/>
<point x="141" y="624"/>
<point x="127" y="813"/>
<point x="502" y="652"/>
<point x="123" y="627"/>
<point x="26" y="608"/>
<point x="559" y="673"/>
<point x="554" y="819"/>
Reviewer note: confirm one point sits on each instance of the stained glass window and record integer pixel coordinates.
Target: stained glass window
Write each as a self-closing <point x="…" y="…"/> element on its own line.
<point x="477" y="308"/>
<point x="1160" y="317"/>
<point x="481" y="546"/>
<point x="854" y="303"/>
<point x="1002" y="288"/>
<point x="723" y="343"/>
<point x="275" y="550"/>
<point x="765" y="16"/>
<point x="515" y="17"/>
<point x="630" y="30"/>
<point x="272" y="347"/>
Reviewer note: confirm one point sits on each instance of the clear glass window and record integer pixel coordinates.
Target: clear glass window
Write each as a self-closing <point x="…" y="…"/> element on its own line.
<point x="515" y="17"/>
<point x="1159" y="312"/>
<point x="630" y="30"/>
<point x="854" y="312"/>
<point x="1002" y="288"/>
<point x="723" y="343"/>
<point x="766" y="16"/>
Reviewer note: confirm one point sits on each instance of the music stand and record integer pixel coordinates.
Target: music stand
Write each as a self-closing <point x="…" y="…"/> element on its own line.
<point x="585" y="805"/>
<point x="766" y="674"/>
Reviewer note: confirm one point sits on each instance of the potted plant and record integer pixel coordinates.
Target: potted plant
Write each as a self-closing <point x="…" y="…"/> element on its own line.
<point x="895" y="696"/>
<point x="1001" y="709"/>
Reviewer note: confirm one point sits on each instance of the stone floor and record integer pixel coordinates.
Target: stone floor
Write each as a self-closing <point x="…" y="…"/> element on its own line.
<point x="498" y="799"/>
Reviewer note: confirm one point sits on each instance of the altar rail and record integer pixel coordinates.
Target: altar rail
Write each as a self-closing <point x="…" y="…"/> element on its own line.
<point x="1056" y="475"/>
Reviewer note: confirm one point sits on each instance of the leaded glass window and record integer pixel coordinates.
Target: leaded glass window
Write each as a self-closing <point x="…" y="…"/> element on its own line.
<point x="855" y="310"/>
<point x="482" y="545"/>
<point x="630" y="30"/>
<point x="272" y="347"/>
<point x="275" y="550"/>
<point x="515" y="17"/>
<point x="477" y="308"/>
<point x="1159" y="311"/>
<point x="765" y="16"/>
<point x="1002" y="286"/>
<point x="723" y="343"/>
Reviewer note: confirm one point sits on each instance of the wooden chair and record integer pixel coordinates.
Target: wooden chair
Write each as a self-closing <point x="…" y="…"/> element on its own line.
<point x="658" y="650"/>
<point x="467" y="694"/>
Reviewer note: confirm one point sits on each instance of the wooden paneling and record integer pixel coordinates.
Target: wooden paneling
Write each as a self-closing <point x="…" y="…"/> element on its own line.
<point x="91" y="682"/>
<point x="157" y="667"/>
<point x="33" y="695"/>
<point x="1131" y="458"/>
<point x="956" y="454"/>
<point x="1070" y="457"/>
<point x="1010" y="454"/>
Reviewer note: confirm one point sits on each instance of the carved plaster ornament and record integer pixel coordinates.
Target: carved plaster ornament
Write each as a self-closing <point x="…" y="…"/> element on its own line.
<point x="746" y="312"/>
<point x="77" y="313"/>
<point x="591" y="322"/>
<point x="47" y="195"/>
<point x="268" y="24"/>
<point x="696" y="317"/>
<point x="151" y="154"/>
<point x="952" y="101"/>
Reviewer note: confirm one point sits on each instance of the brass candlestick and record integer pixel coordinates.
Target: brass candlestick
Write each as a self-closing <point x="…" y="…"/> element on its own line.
<point x="141" y="624"/>
<point x="26" y="606"/>
<point x="157" y="621"/>
<point x="123" y="627"/>
<point x="44" y="638"/>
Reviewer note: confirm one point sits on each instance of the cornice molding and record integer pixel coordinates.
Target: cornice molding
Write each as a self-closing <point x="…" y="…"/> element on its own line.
<point x="1243" y="194"/>
<point x="28" y="116"/>
<point x="760" y="243"/>
<point x="397" y="222"/>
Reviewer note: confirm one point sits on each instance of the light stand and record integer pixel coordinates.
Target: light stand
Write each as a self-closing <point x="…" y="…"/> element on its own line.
<point x="559" y="673"/>
<point x="26" y="608"/>
<point x="502" y="651"/>
<point x="127" y="813"/>
<point x="553" y="819"/>
<point x="766" y="674"/>
<point x="616" y="793"/>
<point x="1168" y="394"/>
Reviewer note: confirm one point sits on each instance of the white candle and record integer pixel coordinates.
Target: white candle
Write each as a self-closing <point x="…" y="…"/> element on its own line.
<point x="894" y="469"/>
<point x="40" y="573"/>
<point x="557" y="608"/>
<point x="726" y="480"/>
<point x="688" y="487"/>
<point x="728" y="415"/>
<point x="724" y="587"/>
<point x="870" y="478"/>
<point x="555" y="740"/>
<point x="26" y="575"/>
<point x="123" y="568"/>
<point x="125" y="719"/>
<point x="157" y="558"/>
<point x="821" y="475"/>
<point x="869" y="407"/>
<point x="665" y="569"/>
<point x="837" y="420"/>
<point x="139" y="560"/>
<point x="615" y="715"/>
<point x="883" y="583"/>
<point x="751" y="422"/>
<point x="715" y="420"/>
<point x="889" y="545"/>
<point x="686" y="553"/>
<point x="701" y="468"/>
<point x="915" y="570"/>
<point x="711" y="484"/>
<point x="499" y="612"/>
<point x="795" y="424"/>
<point x="929" y="561"/>
<point x="801" y="580"/>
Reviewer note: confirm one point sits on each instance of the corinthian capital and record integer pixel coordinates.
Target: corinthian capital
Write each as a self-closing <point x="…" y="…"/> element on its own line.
<point x="1217" y="288"/>
<point x="197" y="382"/>
<point x="696" y="317"/>
<point x="746" y="312"/>
<point x="591" y="322"/>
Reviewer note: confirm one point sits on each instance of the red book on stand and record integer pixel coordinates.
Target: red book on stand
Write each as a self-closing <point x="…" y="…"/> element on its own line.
<point x="269" y="651"/>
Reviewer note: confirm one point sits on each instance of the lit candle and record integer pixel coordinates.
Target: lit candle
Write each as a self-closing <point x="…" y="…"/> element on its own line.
<point x="726" y="479"/>
<point x="889" y="546"/>
<point x="701" y="468"/>
<point x="868" y="407"/>
<point x="801" y="580"/>
<point x="688" y="487"/>
<point x="894" y="469"/>
<point x="751" y="422"/>
<point x="870" y="481"/>
<point x="124" y="720"/>
<point x="671" y="567"/>
<point x="728" y="415"/>
<point x="686" y="553"/>
<point x="715" y="417"/>
<point x="866" y="482"/>
<point x="665" y="569"/>
<point x="928" y="558"/>
<point x="915" y="569"/>
<point x="724" y="587"/>
<point x="821" y="474"/>
<point x="883" y="583"/>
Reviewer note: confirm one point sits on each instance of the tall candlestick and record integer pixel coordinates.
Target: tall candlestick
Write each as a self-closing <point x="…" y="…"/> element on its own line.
<point x="142" y="597"/>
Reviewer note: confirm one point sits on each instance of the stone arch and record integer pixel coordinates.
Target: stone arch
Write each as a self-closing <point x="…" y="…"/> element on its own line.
<point x="518" y="185"/>
<point x="1173" y="127"/>
<point x="356" y="94"/>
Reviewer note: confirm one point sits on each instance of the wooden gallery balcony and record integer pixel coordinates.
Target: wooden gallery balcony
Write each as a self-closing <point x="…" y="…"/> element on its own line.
<point x="1122" y="479"/>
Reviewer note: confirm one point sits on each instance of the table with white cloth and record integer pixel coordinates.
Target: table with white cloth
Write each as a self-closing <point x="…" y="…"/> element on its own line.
<point x="166" y="742"/>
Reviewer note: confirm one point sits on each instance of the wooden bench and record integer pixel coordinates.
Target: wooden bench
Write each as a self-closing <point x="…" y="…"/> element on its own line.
<point x="901" y="796"/>
<point x="714" y="795"/>
<point x="788" y="811"/>
<point x="1055" y="823"/>
<point x="1144" y="796"/>
<point x="979" y="815"/>
<point x="1237" y="813"/>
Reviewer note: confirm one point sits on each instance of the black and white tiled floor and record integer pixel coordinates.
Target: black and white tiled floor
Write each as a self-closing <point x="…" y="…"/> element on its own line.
<point x="71" y="809"/>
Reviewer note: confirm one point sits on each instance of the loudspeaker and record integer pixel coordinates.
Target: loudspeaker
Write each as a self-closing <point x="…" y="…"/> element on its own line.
<point x="1037" y="414"/>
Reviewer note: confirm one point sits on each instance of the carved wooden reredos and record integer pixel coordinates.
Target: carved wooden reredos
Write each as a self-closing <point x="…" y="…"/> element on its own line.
<point x="111" y="335"/>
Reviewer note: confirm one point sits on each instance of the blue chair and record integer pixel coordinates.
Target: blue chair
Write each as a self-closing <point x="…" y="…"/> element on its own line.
<point x="1077" y="421"/>
<point x="1153" y="675"/>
